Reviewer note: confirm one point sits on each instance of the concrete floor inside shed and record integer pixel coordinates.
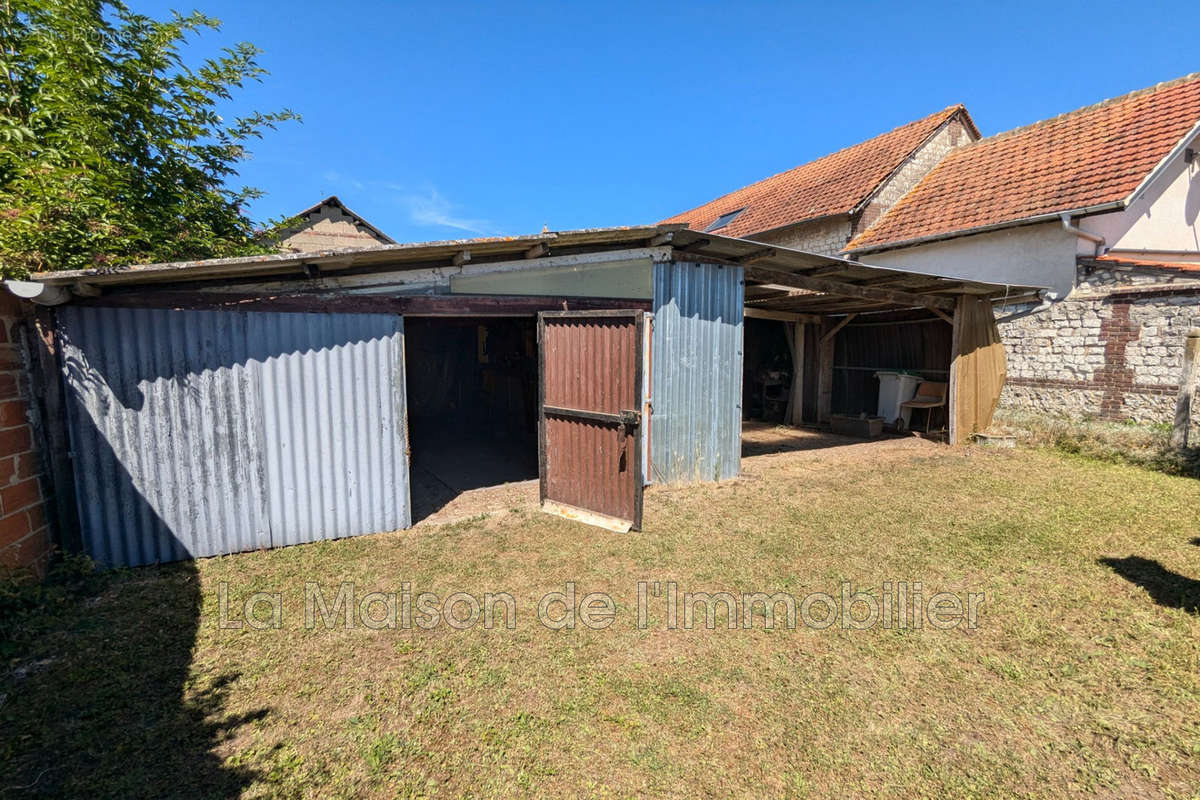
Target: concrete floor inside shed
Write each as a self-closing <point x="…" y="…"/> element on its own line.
<point x="458" y="482"/>
<point x="457" y="479"/>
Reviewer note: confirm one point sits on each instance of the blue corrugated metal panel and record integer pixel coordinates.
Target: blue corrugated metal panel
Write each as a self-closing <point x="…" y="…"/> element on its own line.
<point x="696" y="368"/>
<point x="334" y="422"/>
<point x="197" y="433"/>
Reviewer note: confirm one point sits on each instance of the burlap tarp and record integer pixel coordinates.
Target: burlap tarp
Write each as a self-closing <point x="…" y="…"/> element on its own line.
<point x="979" y="367"/>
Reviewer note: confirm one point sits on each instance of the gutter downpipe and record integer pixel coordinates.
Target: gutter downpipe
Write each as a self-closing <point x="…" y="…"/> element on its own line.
<point x="1098" y="241"/>
<point x="1048" y="298"/>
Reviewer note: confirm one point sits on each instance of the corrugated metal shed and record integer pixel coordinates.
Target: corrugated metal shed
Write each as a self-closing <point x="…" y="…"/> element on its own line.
<point x="245" y="429"/>
<point x="696" y="425"/>
<point x="196" y="433"/>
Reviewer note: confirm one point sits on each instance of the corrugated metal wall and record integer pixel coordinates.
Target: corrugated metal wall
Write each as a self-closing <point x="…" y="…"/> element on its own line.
<point x="196" y="433"/>
<point x="696" y="369"/>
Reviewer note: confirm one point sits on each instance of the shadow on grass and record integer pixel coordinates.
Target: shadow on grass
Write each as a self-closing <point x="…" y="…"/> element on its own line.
<point x="96" y="700"/>
<point x="99" y="697"/>
<point x="766" y="438"/>
<point x="1167" y="588"/>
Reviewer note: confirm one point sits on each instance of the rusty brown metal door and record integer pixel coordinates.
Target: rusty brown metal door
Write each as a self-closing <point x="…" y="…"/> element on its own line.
<point x="590" y="418"/>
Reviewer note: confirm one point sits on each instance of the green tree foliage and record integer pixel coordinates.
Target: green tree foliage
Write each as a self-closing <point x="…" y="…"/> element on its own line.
<point x="112" y="150"/>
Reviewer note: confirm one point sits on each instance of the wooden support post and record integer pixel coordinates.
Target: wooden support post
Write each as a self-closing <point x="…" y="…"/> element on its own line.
<point x="1185" y="402"/>
<point x="789" y="333"/>
<point x="51" y="428"/>
<point x="825" y="376"/>
<point x="952" y="389"/>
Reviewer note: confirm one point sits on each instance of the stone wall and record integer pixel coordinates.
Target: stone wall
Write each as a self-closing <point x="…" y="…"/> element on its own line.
<point x="829" y="236"/>
<point x="327" y="228"/>
<point x="824" y="236"/>
<point x="953" y="134"/>
<point x="1112" y="351"/>
<point x="24" y="529"/>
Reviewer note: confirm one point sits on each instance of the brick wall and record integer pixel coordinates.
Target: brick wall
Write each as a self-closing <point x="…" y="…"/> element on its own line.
<point x="24" y="530"/>
<point x="1112" y="351"/>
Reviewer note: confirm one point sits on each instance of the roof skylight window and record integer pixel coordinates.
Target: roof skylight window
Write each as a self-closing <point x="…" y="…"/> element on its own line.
<point x="725" y="219"/>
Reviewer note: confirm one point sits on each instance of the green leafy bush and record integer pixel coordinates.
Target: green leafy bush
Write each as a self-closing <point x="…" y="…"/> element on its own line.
<point x="112" y="150"/>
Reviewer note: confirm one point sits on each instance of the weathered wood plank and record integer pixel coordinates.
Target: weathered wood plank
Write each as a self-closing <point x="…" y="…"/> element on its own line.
<point x="782" y="316"/>
<point x="411" y="305"/>
<point x="841" y="289"/>
<point x="825" y="377"/>
<point x="843" y="323"/>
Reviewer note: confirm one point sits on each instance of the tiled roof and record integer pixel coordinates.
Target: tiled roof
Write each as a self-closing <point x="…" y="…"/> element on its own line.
<point x="1090" y="157"/>
<point x="834" y="184"/>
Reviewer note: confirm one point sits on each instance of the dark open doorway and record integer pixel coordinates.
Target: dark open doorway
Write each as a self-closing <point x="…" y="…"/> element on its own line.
<point x="766" y="370"/>
<point x="768" y="364"/>
<point x="472" y="405"/>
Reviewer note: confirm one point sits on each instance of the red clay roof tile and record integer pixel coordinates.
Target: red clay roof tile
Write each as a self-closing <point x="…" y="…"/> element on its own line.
<point x="1090" y="157"/>
<point x="833" y="184"/>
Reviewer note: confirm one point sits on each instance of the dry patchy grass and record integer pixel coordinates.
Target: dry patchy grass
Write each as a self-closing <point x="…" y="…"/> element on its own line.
<point x="1082" y="678"/>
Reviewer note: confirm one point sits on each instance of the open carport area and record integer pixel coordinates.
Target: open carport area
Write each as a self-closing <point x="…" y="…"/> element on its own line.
<point x="818" y="329"/>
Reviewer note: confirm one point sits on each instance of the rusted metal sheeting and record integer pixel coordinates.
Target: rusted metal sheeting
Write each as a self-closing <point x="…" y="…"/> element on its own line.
<point x="695" y="430"/>
<point x="590" y="376"/>
<point x="197" y="433"/>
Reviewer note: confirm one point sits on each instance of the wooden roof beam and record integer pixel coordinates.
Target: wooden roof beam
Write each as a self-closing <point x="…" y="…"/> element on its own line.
<point x="758" y="255"/>
<point x="696" y="245"/>
<point x="763" y="275"/>
<point x="884" y="280"/>
<point x="781" y="316"/>
<point x="939" y="287"/>
<point x="829" y="269"/>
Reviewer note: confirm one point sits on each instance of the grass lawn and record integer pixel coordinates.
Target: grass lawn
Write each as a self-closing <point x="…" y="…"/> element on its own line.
<point x="1082" y="676"/>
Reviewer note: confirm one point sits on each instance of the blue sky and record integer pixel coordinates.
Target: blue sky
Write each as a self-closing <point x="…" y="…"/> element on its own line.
<point x="440" y="121"/>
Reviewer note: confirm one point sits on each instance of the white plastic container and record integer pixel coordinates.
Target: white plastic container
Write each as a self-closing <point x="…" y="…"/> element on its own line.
<point x="894" y="389"/>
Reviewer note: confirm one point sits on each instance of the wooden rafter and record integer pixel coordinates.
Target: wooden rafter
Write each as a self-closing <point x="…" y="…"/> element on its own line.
<point x="832" y="332"/>
<point x="841" y="289"/>
<point x="885" y="280"/>
<point x="696" y="245"/>
<point x="780" y="315"/>
<point x="829" y="269"/>
<point x="758" y="255"/>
